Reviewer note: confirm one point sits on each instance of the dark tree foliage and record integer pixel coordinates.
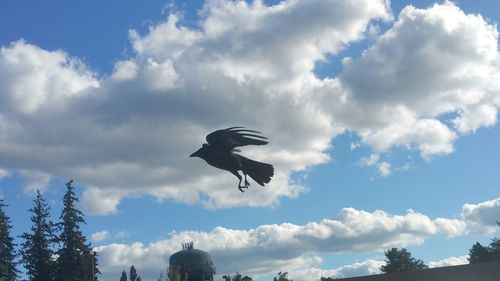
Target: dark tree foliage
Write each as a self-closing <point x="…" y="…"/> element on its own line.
<point x="400" y="260"/>
<point x="133" y="273"/>
<point x="8" y="270"/>
<point x="479" y="253"/>
<point x="282" y="276"/>
<point x="37" y="249"/>
<point x="494" y="249"/>
<point x="124" y="276"/>
<point x="326" y="278"/>
<point x="237" y="277"/>
<point x="76" y="261"/>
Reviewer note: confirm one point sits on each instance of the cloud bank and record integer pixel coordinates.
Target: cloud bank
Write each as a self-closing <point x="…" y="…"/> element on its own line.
<point x="268" y="249"/>
<point x="250" y="64"/>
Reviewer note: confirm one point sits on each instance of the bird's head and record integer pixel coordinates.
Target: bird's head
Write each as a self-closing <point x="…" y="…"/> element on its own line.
<point x="200" y="152"/>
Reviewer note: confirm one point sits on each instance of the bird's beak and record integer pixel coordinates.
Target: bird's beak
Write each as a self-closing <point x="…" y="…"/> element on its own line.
<point x="195" y="154"/>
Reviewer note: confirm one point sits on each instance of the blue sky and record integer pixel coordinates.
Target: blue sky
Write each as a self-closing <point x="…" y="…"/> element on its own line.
<point x="381" y="119"/>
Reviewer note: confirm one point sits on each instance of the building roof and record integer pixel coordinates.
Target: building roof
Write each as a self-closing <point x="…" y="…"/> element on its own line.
<point x="487" y="271"/>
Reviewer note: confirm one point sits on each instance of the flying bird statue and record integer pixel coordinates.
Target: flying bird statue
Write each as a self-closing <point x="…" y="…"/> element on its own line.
<point x="219" y="152"/>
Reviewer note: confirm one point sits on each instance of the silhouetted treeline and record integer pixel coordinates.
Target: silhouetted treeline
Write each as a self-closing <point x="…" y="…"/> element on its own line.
<point x="236" y="277"/>
<point x="8" y="270"/>
<point x="480" y="253"/>
<point x="49" y="251"/>
<point x="400" y="260"/>
<point x="133" y="275"/>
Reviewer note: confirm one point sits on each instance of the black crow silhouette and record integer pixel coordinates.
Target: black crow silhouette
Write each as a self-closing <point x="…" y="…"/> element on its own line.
<point x="219" y="152"/>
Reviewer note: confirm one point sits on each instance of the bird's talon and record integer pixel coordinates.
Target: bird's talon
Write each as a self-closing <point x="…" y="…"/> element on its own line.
<point x="241" y="188"/>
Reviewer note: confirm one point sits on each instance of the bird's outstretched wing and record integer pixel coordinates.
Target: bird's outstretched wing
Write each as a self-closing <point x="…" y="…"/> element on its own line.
<point x="228" y="139"/>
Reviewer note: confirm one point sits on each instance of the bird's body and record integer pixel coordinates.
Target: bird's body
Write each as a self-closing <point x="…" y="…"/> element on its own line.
<point x="225" y="161"/>
<point x="219" y="153"/>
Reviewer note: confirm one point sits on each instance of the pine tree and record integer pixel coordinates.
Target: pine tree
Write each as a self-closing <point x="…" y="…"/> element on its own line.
<point x="237" y="277"/>
<point x="479" y="253"/>
<point x="133" y="273"/>
<point x="36" y="250"/>
<point x="76" y="261"/>
<point x="124" y="276"/>
<point x="282" y="276"/>
<point x="494" y="249"/>
<point x="401" y="260"/>
<point x="8" y="270"/>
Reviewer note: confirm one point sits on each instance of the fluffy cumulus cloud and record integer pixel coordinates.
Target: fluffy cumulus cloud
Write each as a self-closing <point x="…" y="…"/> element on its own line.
<point x="370" y="267"/>
<point x="251" y="64"/>
<point x="131" y="132"/>
<point x="268" y="249"/>
<point x="432" y="62"/>
<point x="482" y="217"/>
<point x="367" y="267"/>
<point x="308" y="269"/>
<point x="35" y="80"/>
<point x="451" y="261"/>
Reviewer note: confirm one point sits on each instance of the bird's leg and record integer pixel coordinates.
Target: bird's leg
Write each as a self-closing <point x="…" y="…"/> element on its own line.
<point x="247" y="184"/>
<point x="240" y="187"/>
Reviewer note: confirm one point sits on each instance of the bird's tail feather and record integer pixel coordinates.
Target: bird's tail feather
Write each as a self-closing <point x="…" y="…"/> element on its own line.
<point x="260" y="172"/>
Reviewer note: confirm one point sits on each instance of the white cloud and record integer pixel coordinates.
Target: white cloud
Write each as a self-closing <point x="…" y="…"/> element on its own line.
<point x="32" y="78"/>
<point x="161" y="76"/>
<point x="106" y="235"/>
<point x="431" y="62"/>
<point x="100" y="236"/>
<point x="168" y="39"/>
<point x="268" y="249"/>
<point x="307" y="269"/>
<point x="100" y="201"/>
<point x="367" y="267"/>
<point x="370" y="160"/>
<point x="371" y="267"/>
<point x="33" y="180"/>
<point x="384" y="169"/>
<point x="124" y="70"/>
<point x="353" y="145"/>
<point x="129" y="134"/>
<point x="3" y="173"/>
<point x="475" y="117"/>
<point x="451" y="261"/>
<point x="474" y="218"/>
<point x="452" y="227"/>
<point x="120" y="234"/>
<point x="482" y="217"/>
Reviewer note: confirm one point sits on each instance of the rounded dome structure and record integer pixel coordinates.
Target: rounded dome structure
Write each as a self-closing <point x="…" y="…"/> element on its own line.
<point x="191" y="264"/>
